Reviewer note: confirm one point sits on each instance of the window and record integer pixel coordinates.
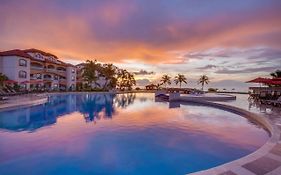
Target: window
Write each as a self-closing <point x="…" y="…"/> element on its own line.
<point x="73" y="78"/>
<point x="73" y="70"/>
<point x="22" y="62"/>
<point x="38" y="76"/>
<point x="22" y="74"/>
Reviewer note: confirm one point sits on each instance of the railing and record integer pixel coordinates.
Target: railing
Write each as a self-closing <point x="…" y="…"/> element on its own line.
<point x="51" y="70"/>
<point x="36" y="68"/>
<point x="48" y="78"/>
<point x="62" y="71"/>
<point x="35" y="78"/>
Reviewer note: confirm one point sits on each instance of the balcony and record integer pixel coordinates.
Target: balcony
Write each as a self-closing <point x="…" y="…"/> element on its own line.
<point x="35" y="78"/>
<point x="51" y="70"/>
<point x="48" y="78"/>
<point x="61" y="71"/>
<point x="36" y="68"/>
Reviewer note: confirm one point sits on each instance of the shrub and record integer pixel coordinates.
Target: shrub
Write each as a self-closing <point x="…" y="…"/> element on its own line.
<point x="212" y="90"/>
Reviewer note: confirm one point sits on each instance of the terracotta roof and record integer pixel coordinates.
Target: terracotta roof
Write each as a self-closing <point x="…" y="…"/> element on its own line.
<point x="15" y="52"/>
<point x="23" y="53"/>
<point x="39" y="51"/>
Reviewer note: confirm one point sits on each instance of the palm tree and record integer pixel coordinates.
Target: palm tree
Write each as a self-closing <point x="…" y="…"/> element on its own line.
<point x="204" y="79"/>
<point x="125" y="79"/>
<point x="3" y="78"/>
<point x="90" y="72"/>
<point x="276" y="74"/>
<point x="180" y="78"/>
<point x="130" y="81"/>
<point x="166" y="79"/>
<point x="109" y="72"/>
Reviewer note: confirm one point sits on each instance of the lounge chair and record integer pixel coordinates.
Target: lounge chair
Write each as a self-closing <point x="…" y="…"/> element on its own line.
<point x="7" y="92"/>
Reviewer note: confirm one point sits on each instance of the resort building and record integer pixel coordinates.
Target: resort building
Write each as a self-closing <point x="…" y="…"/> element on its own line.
<point x="34" y="69"/>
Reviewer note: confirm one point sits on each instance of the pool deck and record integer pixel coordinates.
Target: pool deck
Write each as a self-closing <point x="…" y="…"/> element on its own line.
<point x="23" y="101"/>
<point x="265" y="161"/>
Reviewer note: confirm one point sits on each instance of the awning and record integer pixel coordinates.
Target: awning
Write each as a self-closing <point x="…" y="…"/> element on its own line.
<point x="267" y="81"/>
<point x="275" y="82"/>
<point x="259" y="80"/>
<point x="35" y="81"/>
<point x="10" y="81"/>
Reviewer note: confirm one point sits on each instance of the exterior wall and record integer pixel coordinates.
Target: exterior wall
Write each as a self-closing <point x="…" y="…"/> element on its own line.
<point x="11" y="68"/>
<point x="71" y="78"/>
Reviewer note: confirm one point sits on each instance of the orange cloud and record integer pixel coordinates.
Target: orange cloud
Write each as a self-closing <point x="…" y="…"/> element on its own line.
<point x="114" y="32"/>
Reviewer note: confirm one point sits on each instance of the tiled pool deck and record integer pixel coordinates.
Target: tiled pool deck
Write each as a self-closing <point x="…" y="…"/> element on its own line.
<point x="264" y="161"/>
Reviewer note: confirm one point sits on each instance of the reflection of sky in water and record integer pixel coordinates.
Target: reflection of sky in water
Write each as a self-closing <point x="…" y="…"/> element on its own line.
<point x="123" y="134"/>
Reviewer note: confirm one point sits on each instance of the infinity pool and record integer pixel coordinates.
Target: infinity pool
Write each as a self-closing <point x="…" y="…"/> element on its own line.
<point x="121" y="134"/>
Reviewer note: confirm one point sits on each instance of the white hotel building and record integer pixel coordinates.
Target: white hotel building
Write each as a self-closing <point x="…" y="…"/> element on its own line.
<point x="33" y="68"/>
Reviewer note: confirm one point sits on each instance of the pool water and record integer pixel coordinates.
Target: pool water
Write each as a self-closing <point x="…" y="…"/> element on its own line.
<point x="121" y="134"/>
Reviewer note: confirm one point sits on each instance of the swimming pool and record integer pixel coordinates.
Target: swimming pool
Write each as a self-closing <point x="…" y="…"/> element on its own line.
<point x="121" y="134"/>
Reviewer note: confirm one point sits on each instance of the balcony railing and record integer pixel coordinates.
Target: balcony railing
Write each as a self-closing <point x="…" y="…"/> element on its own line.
<point x="36" y="68"/>
<point x="48" y="78"/>
<point x="51" y="70"/>
<point x="35" y="78"/>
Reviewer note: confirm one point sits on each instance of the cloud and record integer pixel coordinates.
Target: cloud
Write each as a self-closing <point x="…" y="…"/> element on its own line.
<point x="143" y="82"/>
<point x="144" y="72"/>
<point x="113" y="31"/>
<point x="247" y="70"/>
<point x="209" y="66"/>
<point x="189" y="37"/>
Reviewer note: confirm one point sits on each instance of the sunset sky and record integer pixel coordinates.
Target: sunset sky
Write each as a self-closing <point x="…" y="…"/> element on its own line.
<point x="231" y="41"/>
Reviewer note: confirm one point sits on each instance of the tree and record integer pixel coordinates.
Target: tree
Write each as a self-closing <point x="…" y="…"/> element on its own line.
<point x="204" y="79"/>
<point x="166" y="79"/>
<point x="109" y="72"/>
<point x="158" y="86"/>
<point x="179" y="79"/>
<point x="125" y="79"/>
<point x="3" y="78"/>
<point x="90" y="71"/>
<point x="276" y="74"/>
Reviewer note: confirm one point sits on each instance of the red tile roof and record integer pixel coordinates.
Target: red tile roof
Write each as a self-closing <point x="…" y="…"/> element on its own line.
<point x="15" y="52"/>
<point x="24" y="53"/>
<point x="39" y="51"/>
